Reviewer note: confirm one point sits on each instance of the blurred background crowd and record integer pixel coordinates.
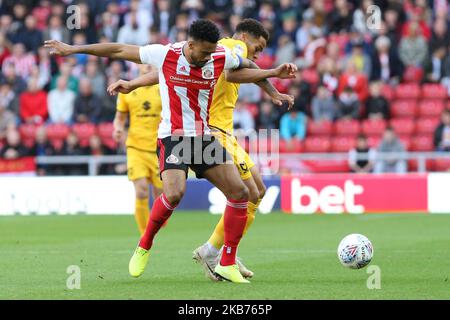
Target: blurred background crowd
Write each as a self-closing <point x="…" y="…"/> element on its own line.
<point x="358" y="89"/>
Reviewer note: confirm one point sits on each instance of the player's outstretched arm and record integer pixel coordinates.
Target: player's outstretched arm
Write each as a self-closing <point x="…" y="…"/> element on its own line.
<point x="249" y="72"/>
<point x="119" y="125"/>
<point x="124" y="86"/>
<point x="110" y="50"/>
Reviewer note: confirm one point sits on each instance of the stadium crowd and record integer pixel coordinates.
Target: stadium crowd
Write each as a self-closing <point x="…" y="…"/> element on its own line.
<point x="359" y="87"/>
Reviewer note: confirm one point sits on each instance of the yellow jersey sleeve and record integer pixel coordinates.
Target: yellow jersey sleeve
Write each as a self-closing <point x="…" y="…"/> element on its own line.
<point x="122" y="105"/>
<point x="226" y="93"/>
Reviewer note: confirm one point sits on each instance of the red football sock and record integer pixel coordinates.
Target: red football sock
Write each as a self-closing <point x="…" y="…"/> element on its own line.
<point x="235" y="218"/>
<point x="161" y="211"/>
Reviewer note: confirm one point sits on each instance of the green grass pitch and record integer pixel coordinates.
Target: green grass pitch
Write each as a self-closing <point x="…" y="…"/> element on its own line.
<point x="293" y="257"/>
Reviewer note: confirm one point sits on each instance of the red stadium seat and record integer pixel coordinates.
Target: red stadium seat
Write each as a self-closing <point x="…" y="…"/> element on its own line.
<point x="57" y="131"/>
<point x="347" y="127"/>
<point x="431" y="108"/>
<point x="110" y="143"/>
<point x="403" y="126"/>
<point x="28" y="134"/>
<point x="342" y="144"/>
<point x="434" y="91"/>
<point x="373" y="141"/>
<point x="320" y="128"/>
<point x="295" y="146"/>
<point x="105" y="130"/>
<point x="441" y="165"/>
<point x="56" y="134"/>
<point x="317" y="144"/>
<point x="84" y="131"/>
<point x="413" y="74"/>
<point x="404" y="108"/>
<point x="387" y="92"/>
<point x="373" y="127"/>
<point x="407" y="91"/>
<point x="413" y="165"/>
<point x="422" y="143"/>
<point x="427" y="125"/>
<point x="406" y="141"/>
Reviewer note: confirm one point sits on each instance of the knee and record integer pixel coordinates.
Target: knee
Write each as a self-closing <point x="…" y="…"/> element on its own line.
<point x="239" y="193"/>
<point x="253" y="195"/>
<point x="174" y="195"/>
<point x="142" y="191"/>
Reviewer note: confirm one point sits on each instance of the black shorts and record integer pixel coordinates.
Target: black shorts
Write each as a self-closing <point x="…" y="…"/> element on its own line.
<point x="199" y="153"/>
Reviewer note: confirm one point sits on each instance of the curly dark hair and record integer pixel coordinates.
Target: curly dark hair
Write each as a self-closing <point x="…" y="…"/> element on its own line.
<point x="204" y="30"/>
<point x="253" y="27"/>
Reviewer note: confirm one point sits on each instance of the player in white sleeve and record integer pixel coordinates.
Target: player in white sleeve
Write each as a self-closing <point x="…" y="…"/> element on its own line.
<point x="188" y="72"/>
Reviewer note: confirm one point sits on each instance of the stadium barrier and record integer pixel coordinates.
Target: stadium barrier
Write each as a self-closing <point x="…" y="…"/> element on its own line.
<point x="298" y="194"/>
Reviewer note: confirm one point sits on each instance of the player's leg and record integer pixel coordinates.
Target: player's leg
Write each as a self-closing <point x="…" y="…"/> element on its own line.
<point x="227" y="179"/>
<point x="138" y="174"/>
<point x="141" y="208"/>
<point x="173" y="177"/>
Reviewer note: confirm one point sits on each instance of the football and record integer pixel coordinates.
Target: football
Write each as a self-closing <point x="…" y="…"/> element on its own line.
<point x="355" y="251"/>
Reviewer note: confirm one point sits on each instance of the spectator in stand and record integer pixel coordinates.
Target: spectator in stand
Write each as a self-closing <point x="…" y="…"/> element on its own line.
<point x="96" y="148"/>
<point x="142" y="13"/>
<point x="356" y="161"/>
<point x="243" y="119"/>
<point x="56" y="30"/>
<point x="359" y="59"/>
<point x="65" y="70"/>
<point x="440" y="36"/>
<point x="377" y="107"/>
<point x="61" y="102"/>
<point x="442" y="132"/>
<point x="87" y="106"/>
<point x="348" y="105"/>
<point x="43" y="69"/>
<point x="22" y="61"/>
<point x="181" y="23"/>
<point x="286" y="50"/>
<point x="293" y="125"/>
<point x="96" y="77"/>
<point x="42" y="147"/>
<point x="108" y="28"/>
<point x="390" y="144"/>
<point x="109" y="104"/>
<point x="7" y="120"/>
<point x="42" y="13"/>
<point x="4" y="50"/>
<point x="341" y="18"/>
<point x="250" y="93"/>
<point x="8" y="98"/>
<point x="29" y="35"/>
<point x="133" y="33"/>
<point x="9" y="76"/>
<point x="446" y="72"/>
<point x="329" y="74"/>
<point x="435" y="65"/>
<point x="323" y="105"/>
<point x="413" y="48"/>
<point x="33" y="104"/>
<point x="71" y="147"/>
<point x="386" y="65"/>
<point x="163" y="18"/>
<point x="361" y="16"/>
<point x="13" y="148"/>
<point x="355" y="80"/>
<point x="269" y="116"/>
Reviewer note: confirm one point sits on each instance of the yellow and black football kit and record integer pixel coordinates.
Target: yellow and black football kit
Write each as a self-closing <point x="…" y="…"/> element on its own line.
<point x="221" y="113"/>
<point x="144" y="108"/>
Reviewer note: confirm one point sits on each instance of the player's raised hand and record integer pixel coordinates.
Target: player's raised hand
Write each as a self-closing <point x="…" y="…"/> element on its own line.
<point x="279" y="98"/>
<point x="121" y="86"/>
<point x="58" y="48"/>
<point x="286" y="71"/>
